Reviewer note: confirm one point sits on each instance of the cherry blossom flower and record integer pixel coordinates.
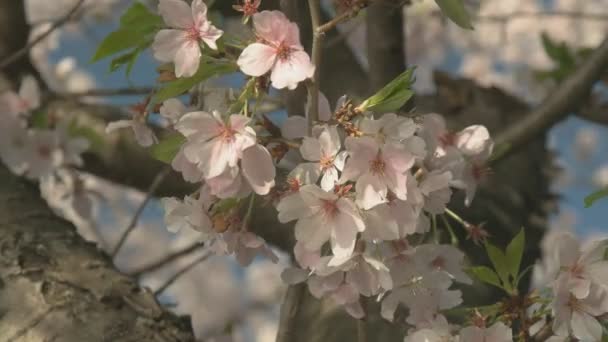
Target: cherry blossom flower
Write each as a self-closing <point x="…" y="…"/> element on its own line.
<point x="188" y="169"/>
<point x="377" y="169"/>
<point x="324" y="217"/>
<point x="248" y="7"/>
<point x="444" y="259"/>
<point x="324" y="150"/>
<point x="14" y="143"/>
<point x="498" y="332"/>
<point x="582" y="267"/>
<point x="576" y="316"/>
<point x="172" y="110"/>
<point x="435" y="187"/>
<point x="278" y="51"/>
<point x="246" y="246"/>
<point x="189" y="27"/>
<point x="437" y="331"/>
<point x="23" y="102"/>
<point x="143" y="133"/>
<point x="215" y="145"/>
<point x="191" y="213"/>
<point x="295" y="127"/>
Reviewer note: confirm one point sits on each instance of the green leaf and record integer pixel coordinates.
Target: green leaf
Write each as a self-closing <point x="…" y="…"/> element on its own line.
<point x="166" y="149"/>
<point x="393" y="96"/>
<point x="95" y="139"/>
<point x="486" y="275"/>
<point x="182" y="85"/>
<point x="515" y="252"/>
<point x="138" y="17"/>
<point x="128" y="59"/>
<point x="499" y="261"/>
<point x="116" y="42"/>
<point x="558" y="52"/>
<point x="455" y="10"/>
<point x="39" y="119"/>
<point x="137" y="26"/>
<point x="596" y="196"/>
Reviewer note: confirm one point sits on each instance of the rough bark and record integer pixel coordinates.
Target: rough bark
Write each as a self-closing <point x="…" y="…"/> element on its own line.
<point x="54" y="286"/>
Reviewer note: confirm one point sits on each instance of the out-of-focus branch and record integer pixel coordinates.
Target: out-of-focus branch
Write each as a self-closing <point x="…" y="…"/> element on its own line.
<point x="594" y="111"/>
<point x="502" y="18"/>
<point x="317" y="49"/>
<point x="160" y="263"/>
<point x="561" y="102"/>
<point x="289" y="312"/>
<point x="385" y="43"/>
<point x="180" y="273"/>
<point x="24" y="50"/>
<point x="351" y="13"/>
<point x="108" y="92"/>
<point x="155" y="184"/>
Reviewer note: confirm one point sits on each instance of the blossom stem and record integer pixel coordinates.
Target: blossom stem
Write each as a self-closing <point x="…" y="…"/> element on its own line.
<point x="170" y="281"/>
<point x="361" y="330"/>
<point x="248" y="213"/>
<point x="456" y="217"/>
<point x="317" y="46"/>
<point x="448" y="225"/>
<point x="434" y="229"/>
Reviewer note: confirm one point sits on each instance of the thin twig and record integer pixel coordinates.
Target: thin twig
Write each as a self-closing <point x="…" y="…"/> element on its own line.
<point x="57" y="24"/>
<point x="155" y="184"/>
<point x="313" y="85"/>
<point x="180" y="273"/>
<point x="158" y="264"/>
<point x="560" y="103"/>
<point x="289" y="312"/>
<point x="110" y="92"/>
<point x="351" y="13"/>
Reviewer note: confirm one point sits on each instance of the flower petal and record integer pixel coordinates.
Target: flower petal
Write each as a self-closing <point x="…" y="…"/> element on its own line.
<point x="258" y="169"/>
<point x="176" y="13"/>
<point x="257" y="59"/>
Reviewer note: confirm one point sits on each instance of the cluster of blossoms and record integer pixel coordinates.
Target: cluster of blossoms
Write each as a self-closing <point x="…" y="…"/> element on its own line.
<point x="359" y="186"/>
<point x="37" y="145"/>
<point x="574" y="279"/>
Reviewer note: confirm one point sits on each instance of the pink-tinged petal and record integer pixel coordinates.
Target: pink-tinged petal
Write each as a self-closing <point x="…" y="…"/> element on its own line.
<point x="187" y="60"/>
<point x="345" y="294"/>
<point x="306" y="173"/>
<point x="239" y="122"/>
<point x="355" y="310"/>
<point x="350" y="210"/>
<point x="294" y="275"/>
<point x="210" y="34"/>
<point x="227" y="184"/>
<point x="115" y="125"/>
<point x="473" y="140"/>
<point x="30" y="92"/>
<point x="167" y="43"/>
<point x="288" y="73"/>
<point x="499" y="332"/>
<point x="435" y="181"/>
<point x="312" y="232"/>
<point x="397" y="157"/>
<point x="361" y="151"/>
<point x="330" y="141"/>
<point x="272" y="26"/>
<point x="381" y="224"/>
<point x="305" y="257"/>
<point x="199" y="11"/>
<point x="325" y="112"/>
<point x="143" y="134"/>
<point x="396" y="182"/>
<point x="370" y="191"/>
<point x="292" y="207"/>
<point x="294" y="127"/>
<point x="313" y="195"/>
<point x="176" y="13"/>
<point x="292" y="36"/>
<point x="329" y="179"/>
<point x="340" y="160"/>
<point x="172" y="109"/>
<point x="472" y="334"/>
<point x="199" y="125"/>
<point x="598" y="271"/>
<point x="568" y="249"/>
<point x="189" y="170"/>
<point x="311" y="149"/>
<point x="586" y="327"/>
<point x="257" y="59"/>
<point x="389" y="306"/>
<point x="258" y="169"/>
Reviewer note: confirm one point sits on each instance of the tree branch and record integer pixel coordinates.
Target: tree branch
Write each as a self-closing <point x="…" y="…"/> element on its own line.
<point x="155" y="184"/>
<point x="180" y="273"/>
<point x="24" y="50"/>
<point x="317" y="46"/>
<point x="162" y="262"/>
<point x="561" y="102"/>
<point x="289" y="312"/>
<point x="50" y="274"/>
<point x="108" y="92"/>
<point x="526" y="14"/>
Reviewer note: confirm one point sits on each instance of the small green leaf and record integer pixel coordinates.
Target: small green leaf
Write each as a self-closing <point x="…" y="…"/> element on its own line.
<point x="39" y="119"/>
<point x="138" y="17"/>
<point x="558" y="52"/>
<point x="455" y="10"/>
<point x="95" y="139"/>
<point x="515" y="252"/>
<point x="166" y="149"/>
<point x="182" y="85"/>
<point x="393" y="96"/>
<point x="128" y="59"/>
<point x="486" y="275"/>
<point x="499" y="261"/>
<point x="116" y="42"/>
<point x="596" y="196"/>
